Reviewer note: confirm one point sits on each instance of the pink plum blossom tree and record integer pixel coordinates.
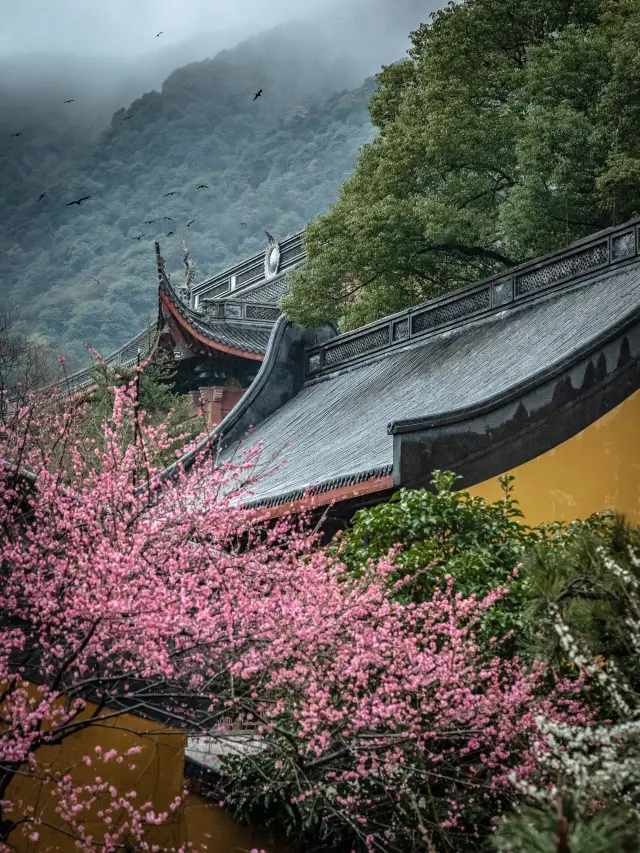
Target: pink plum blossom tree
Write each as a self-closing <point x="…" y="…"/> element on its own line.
<point x="383" y="725"/>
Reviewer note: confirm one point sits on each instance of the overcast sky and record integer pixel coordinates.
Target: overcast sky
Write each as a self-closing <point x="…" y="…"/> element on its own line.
<point x="128" y="27"/>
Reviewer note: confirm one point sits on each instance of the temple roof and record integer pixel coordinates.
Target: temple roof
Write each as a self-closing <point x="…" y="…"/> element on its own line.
<point x="125" y="356"/>
<point x="256" y="278"/>
<point x="479" y="344"/>
<point x="242" y="334"/>
<point x="233" y="311"/>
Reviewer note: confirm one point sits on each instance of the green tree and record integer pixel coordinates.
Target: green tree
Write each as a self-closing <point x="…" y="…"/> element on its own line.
<point x="570" y="576"/>
<point x="156" y="397"/>
<point x="445" y="533"/>
<point x="510" y="130"/>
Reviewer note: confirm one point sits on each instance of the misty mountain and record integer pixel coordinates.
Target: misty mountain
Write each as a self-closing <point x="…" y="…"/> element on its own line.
<point x="272" y="163"/>
<point x="33" y="87"/>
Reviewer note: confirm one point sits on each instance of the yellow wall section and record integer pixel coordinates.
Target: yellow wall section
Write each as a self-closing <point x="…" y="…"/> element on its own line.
<point x="158" y="777"/>
<point x="599" y="468"/>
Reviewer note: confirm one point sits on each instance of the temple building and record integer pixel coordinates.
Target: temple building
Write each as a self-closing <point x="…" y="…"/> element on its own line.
<point x="534" y="371"/>
<point x="216" y="331"/>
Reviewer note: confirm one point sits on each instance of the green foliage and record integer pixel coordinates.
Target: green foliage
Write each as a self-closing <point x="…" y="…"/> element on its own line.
<point x="568" y="568"/>
<point x="510" y="131"/>
<point x="438" y="532"/>
<point x="445" y="533"/>
<point x="156" y="398"/>
<point x="585" y="577"/>
<point x="535" y="831"/>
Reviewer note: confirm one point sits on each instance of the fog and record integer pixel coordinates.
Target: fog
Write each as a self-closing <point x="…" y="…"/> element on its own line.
<point x="105" y="55"/>
<point x="128" y="27"/>
<point x="101" y="58"/>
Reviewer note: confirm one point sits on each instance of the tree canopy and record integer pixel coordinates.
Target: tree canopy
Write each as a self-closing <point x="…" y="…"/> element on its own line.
<point x="509" y="131"/>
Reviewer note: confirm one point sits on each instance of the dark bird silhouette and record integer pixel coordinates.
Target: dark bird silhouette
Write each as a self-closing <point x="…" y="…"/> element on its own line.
<point x="202" y="187"/>
<point x="269" y="238"/>
<point x="159" y="34"/>
<point x="257" y="94"/>
<point x="17" y="134"/>
<point x="173" y="192"/>
<point x="70" y="101"/>
<point x="77" y="201"/>
<point x="138" y="238"/>
<point x="97" y="281"/>
<point x="190" y="223"/>
<point x="243" y="223"/>
<point x="168" y="217"/>
<point x="127" y="118"/>
<point x="149" y="221"/>
<point x="42" y="195"/>
<point x="170" y="233"/>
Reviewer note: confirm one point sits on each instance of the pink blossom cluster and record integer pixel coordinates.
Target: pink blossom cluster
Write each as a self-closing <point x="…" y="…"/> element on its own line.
<point x="131" y="589"/>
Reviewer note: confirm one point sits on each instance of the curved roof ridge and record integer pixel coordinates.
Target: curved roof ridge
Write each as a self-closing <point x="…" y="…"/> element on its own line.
<point x="247" y="339"/>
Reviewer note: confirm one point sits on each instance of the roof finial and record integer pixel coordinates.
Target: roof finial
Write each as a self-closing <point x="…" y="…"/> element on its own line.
<point x="162" y="275"/>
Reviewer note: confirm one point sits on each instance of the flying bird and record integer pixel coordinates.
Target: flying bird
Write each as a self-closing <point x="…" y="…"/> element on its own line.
<point x="190" y="223"/>
<point x="16" y="134"/>
<point x="170" y="233"/>
<point x="159" y="34"/>
<point x="149" y="221"/>
<point x="202" y="187"/>
<point x="70" y="101"/>
<point x="173" y="192"/>
<point x="97" y="281"/>
<point x="170" y="218"/>
<point x="127" y="118"/>
<point x="257" y="94"/>
<point x="77" y="201"/>
<point x="269" y="238"/>
<point x="42" y="195"/>
<point x="243" y="223"/>
<point x="138" y="238"/>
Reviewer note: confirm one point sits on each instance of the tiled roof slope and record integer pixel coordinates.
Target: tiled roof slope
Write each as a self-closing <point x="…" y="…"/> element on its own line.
<point x="334" y="431"/>
<point x="237" y="335"/>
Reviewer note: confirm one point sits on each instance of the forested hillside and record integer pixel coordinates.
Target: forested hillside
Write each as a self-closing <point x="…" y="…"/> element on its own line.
<point x="80" y="272"/>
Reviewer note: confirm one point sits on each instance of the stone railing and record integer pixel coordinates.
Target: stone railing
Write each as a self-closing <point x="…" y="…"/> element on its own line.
<point x="497" y="293"/>
<point x="243" y="276"/>
<point x="125" y="356"/>
<point x="262" y="312"/>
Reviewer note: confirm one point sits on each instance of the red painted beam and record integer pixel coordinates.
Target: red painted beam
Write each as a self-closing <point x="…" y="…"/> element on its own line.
<point x="366" y="487"/>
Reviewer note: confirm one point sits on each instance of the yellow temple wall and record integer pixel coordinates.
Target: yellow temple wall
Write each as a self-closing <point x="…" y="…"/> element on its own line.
<point x="599" y="468"/>
<point x="158" y="777"/>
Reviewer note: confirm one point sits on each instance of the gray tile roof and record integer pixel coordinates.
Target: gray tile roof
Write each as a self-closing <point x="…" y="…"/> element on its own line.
<point x="245" y="335"/>
<point x="335" y="430"/>
<point x="268" y="291"/>
<point x="242" y="336"/>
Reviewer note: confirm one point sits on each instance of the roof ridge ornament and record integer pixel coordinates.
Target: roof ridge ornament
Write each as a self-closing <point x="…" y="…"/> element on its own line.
<point x="271" y="257"/>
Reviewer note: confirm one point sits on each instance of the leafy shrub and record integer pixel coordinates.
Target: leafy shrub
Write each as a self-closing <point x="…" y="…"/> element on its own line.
<point x="442" y="533"/>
